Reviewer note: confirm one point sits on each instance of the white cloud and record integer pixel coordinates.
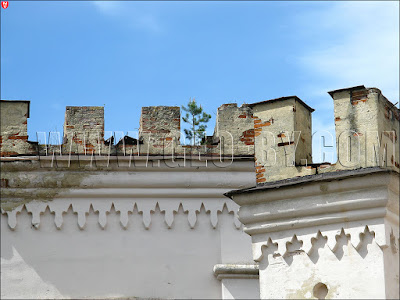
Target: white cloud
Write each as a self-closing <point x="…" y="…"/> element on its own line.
<point x="108" y="7"/>
<point x="358" y="43"/>
<point x="347" y="44"/>
<point x="131" y="14"/>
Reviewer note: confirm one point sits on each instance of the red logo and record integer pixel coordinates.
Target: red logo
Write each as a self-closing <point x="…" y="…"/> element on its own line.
<point x="4" y="4"/>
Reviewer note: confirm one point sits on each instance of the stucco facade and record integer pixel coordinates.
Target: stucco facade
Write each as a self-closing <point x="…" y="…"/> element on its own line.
<point x="332" y="233"/>
<point x="151" y="232"/>
<point x="145" y="216"/>
<point x="337" y="231"/>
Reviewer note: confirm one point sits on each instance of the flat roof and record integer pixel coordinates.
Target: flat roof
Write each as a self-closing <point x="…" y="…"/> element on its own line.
<point x="21" y="101"/>
<point x="283" y="99"/>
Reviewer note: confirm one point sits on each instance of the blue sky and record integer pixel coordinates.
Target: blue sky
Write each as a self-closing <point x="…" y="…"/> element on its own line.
<point x="126" y="55"/>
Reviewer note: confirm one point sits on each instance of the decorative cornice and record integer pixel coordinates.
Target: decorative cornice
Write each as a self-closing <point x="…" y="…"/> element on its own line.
<point x="63" y="193"/>
<point x="311" y="185"/>
<point x="383" y="235"/>
<point x="127" y="162"/>
<point x="316" y="220"/>
<point x="336" y="204"/>
<point x="83" y="207"/>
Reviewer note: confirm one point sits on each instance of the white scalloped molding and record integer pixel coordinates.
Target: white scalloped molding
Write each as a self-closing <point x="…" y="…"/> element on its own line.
<point x="124" y="208"/>
<point x="81" y="208"/>
<point x="146" y="207"/>
<point x="103" y="208"/>
<point x="36" y="209"/>
<point x="213" y="208"/>
<point x="384" y="235"/>
<point x="58" y="208"/>
<point x="192" y="207"/>
<point x="169" y="208"/>
<point x="12" y="216"/>
<point x="233" y="207"/>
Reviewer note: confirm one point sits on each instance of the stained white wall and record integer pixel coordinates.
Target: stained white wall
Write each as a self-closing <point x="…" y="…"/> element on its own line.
<point x="342" y="232"/>
<point x="118" y="237"/>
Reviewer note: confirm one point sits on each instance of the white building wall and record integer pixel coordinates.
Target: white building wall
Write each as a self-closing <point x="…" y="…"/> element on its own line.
<point x="331" y="237"/>
<point x="119" y="235"/>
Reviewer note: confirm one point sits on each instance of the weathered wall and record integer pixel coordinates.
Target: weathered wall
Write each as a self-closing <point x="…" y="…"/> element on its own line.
<point x="118" y="231"/>
<point x="159" y="133"/>
<point x="14" y="128"/>
<point x="160" y="129"/>
<point x="81" y="223"/>
<point x="68" y="218"/>
<point x="235" y="127"/>
<point x="303" y="136"/>
<point x="341" y="231"/>
<point x="282" y="139"/>
<point x="233" y="134"/>
<point x="389" y="127"/>
<point x="335" y="233"/>
<point x="84" y="129"/>
<point x="366" y="125"/>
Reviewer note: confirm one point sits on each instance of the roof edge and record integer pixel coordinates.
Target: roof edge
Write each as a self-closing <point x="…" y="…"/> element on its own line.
<point x="329" y="176"/>
<point x="358" y="87"/>
<point x="282" y="99"/>
<point x="21" y="101"/>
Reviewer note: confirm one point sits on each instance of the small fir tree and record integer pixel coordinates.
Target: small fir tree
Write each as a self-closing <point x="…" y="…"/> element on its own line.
<point x="197" y="119"/>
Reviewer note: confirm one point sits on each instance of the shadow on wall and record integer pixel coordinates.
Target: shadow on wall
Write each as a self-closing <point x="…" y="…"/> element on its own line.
<point x="116" y="262"/>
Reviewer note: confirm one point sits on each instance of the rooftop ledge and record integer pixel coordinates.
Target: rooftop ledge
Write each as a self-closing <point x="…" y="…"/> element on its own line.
<point x="82" y="157"/>
<point x="329" y="176"/>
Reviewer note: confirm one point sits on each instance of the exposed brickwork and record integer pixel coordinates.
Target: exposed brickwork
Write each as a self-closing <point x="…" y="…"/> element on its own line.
<point x="16" y="136"/>
<point x="9" y="153"/>
<point x="235" y="124"/>
<point x="260" y="172"/>
<point x="160" y="119"/>
<point x="278" y="128"/>
<point x="84" y="128"/>
<point x="247" y="137"/>
<point x="275" y="124"/>
<point x="160" y="128"/>
<point x="358" y="96"/>
<point x="258" y="125"/>
<point x="4" y="183"/>
<point x="159" y="133"/>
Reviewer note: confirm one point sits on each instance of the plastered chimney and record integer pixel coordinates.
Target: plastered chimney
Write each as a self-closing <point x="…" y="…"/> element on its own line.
<point x="367" y="129"/>
<point x="282" y="129"/>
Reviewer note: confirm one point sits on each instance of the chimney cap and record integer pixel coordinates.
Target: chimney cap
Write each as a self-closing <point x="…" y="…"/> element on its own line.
<point x="282" y="99"/>
<point x="20" y="101"/>
<point x="353" y="88"/>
